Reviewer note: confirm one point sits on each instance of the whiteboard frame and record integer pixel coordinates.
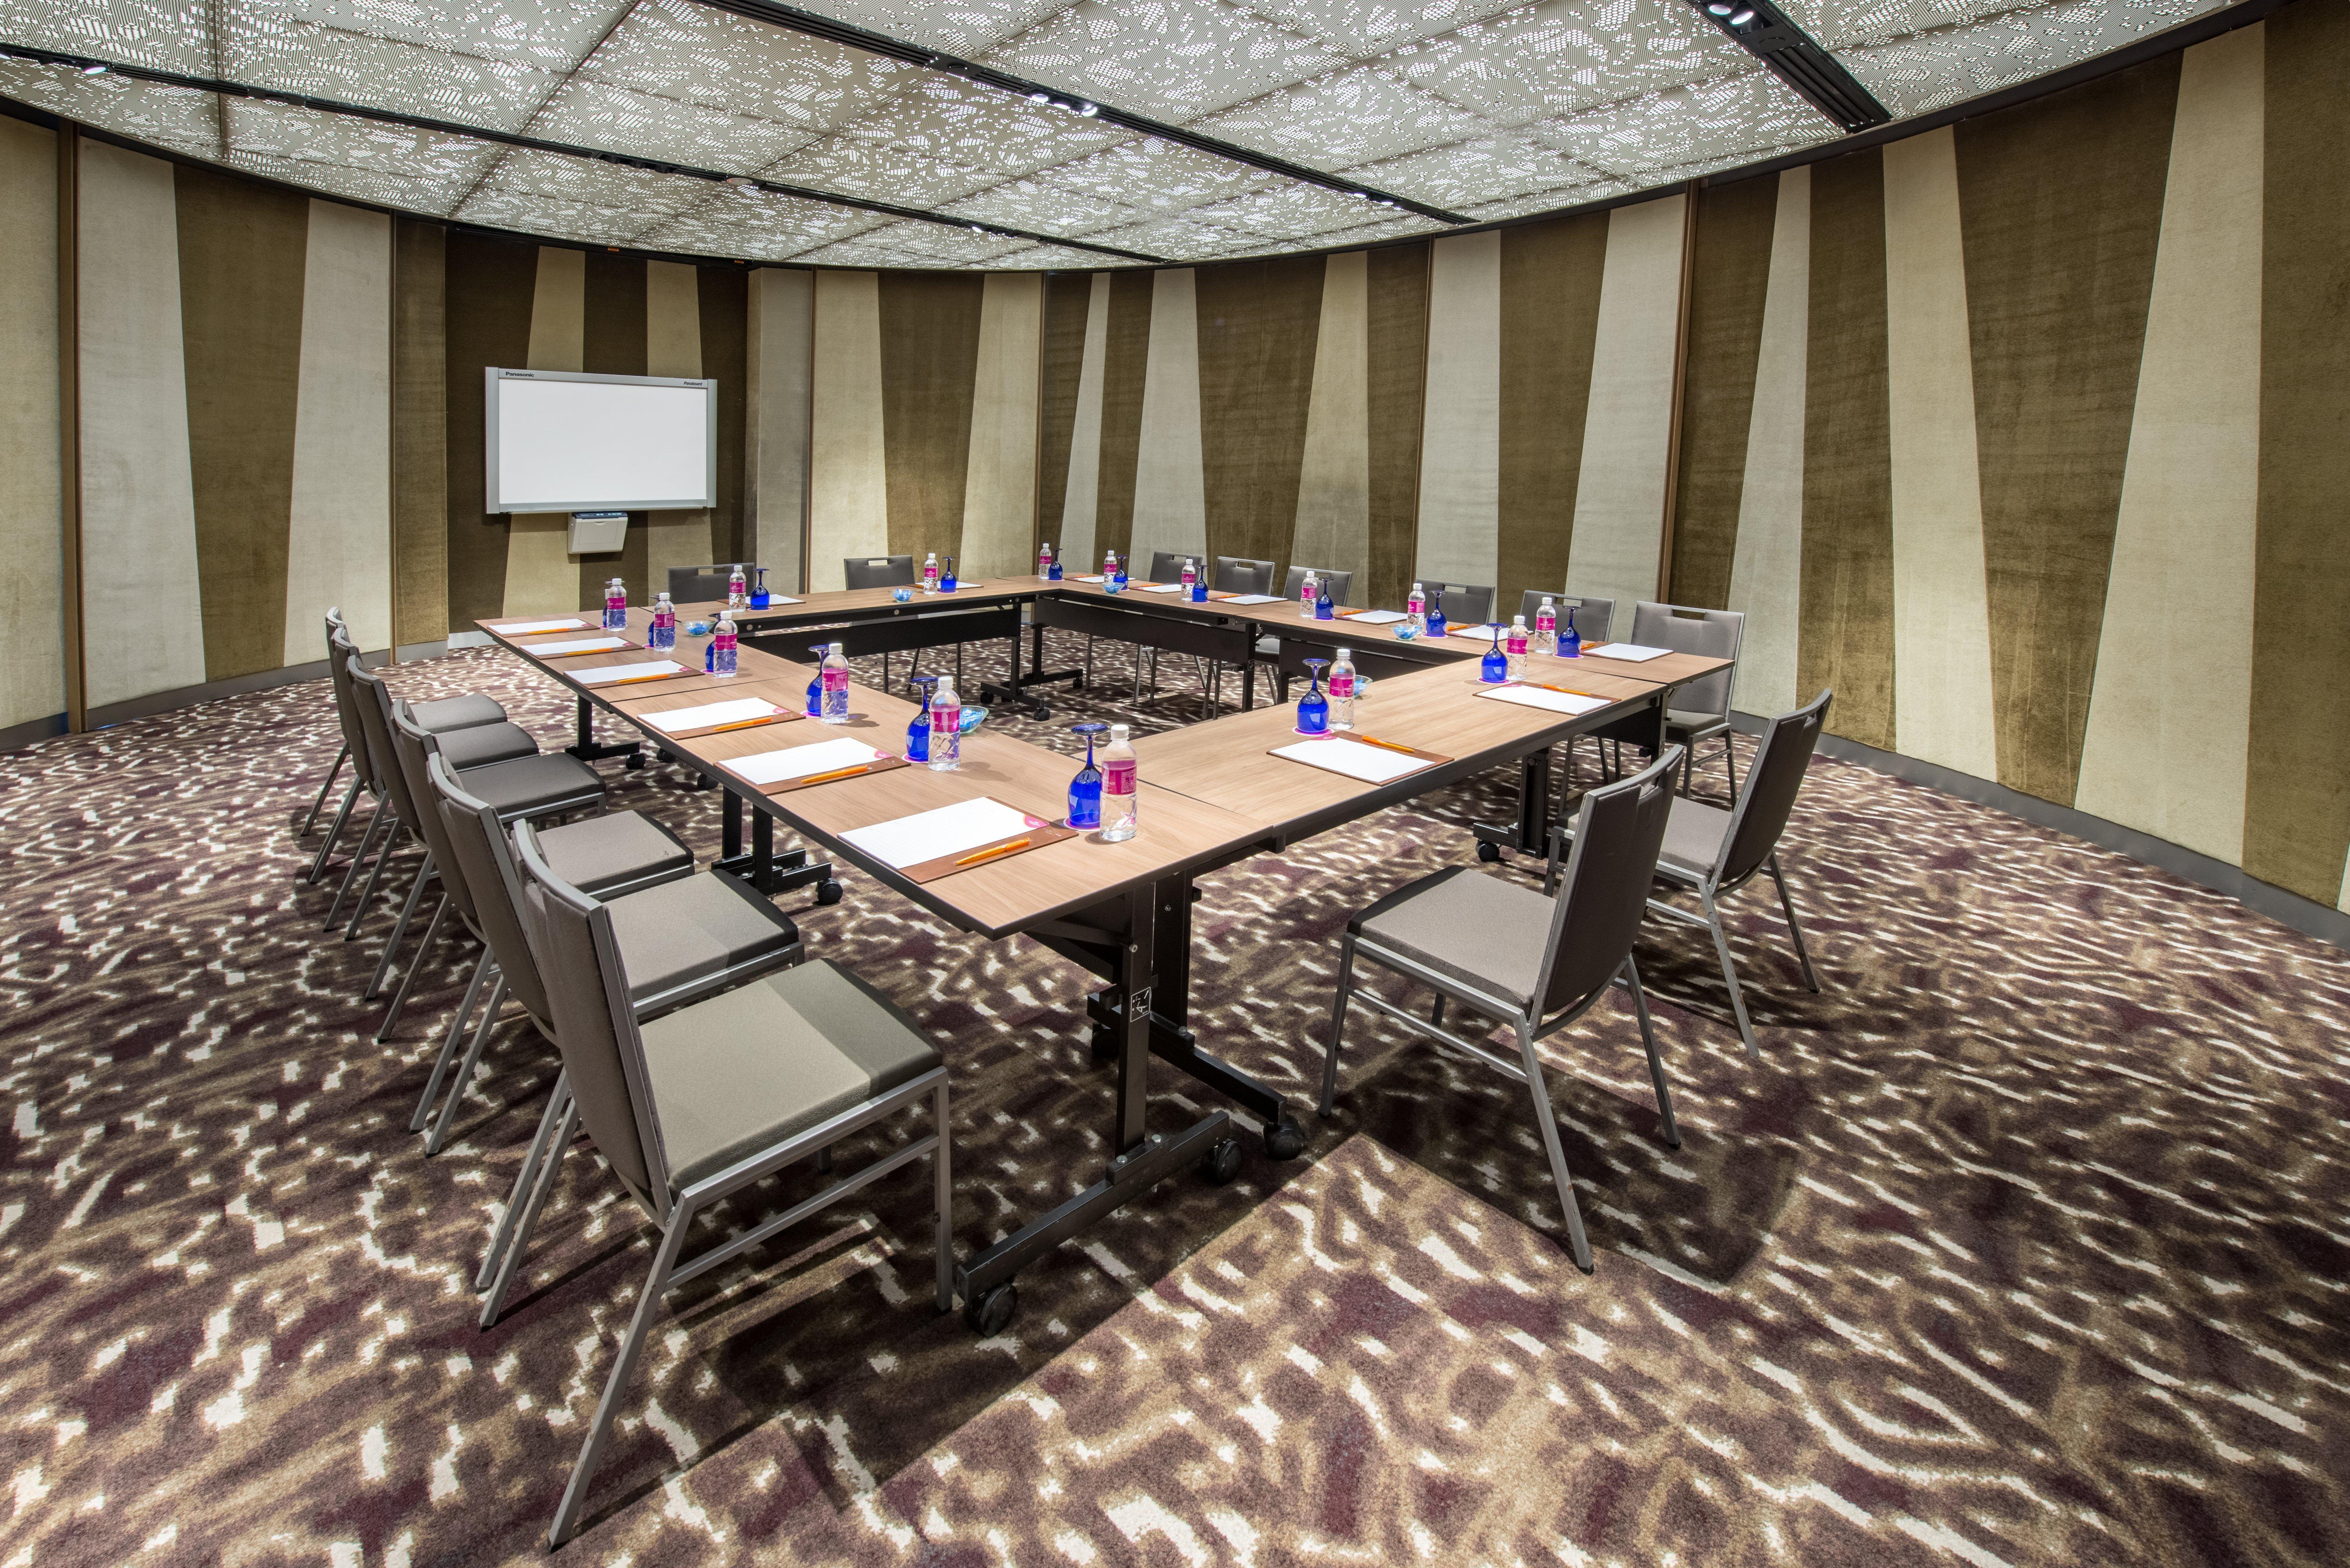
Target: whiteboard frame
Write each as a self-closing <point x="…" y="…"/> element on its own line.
<point x="492" y="375"/>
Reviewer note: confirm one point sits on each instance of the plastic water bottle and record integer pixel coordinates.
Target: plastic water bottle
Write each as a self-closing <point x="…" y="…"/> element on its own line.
<point x="1110" y="564"/>
<point x="1342" y="689"/>
<point x="917" y="733"/>
<point x="1324" y="607"/>
<point x="814" y="708"/>
<point x="721" y="648"/>
<point x="835" y="674"/>
<point x="738" y="593"/>
<point x="1121" y="802"/>
<point x="1045" y="561"/>
<point x="1570" y="642"/>
<point x="946" y="728"/>
<point x="1415" y="608"/>
<point x="930" y="573"/>
<point x="1517" y="648"/>
<point x="663" y="636"/>
<point x="1546" y="626"/>
<point x="615" y="605"/>
<point x="1192" y="579"/>
<point x="1309" y="592"/>
<point x="1435" y="616"/>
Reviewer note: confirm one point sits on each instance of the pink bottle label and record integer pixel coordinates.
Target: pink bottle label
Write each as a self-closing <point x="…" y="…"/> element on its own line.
<point x="1517" y="643"/>
<point x="726" y="641"/>
<point x="1342" y="686"/>
<point x="835" y="679"/>
<point x="1118" y="778"/>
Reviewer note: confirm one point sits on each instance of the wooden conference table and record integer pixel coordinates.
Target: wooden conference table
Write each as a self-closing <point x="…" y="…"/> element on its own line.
<point x="1209" y="797"/>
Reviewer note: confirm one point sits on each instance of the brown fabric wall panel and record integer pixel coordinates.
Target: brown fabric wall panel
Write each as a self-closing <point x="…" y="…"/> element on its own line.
<point x="243" y="250"/>
<point x="1397" y="371"/>
<point x="419" y="452"/>
<point x="612" y="343"/>
<point x="723" y="296"/>
<point x="1068" y="297"/>
<point x="1258" y="324"/>
<point x="1848" y="604"/>
<point x="2061" y="206"/>
<point x="930" y="364"/>
<point x="491" y="285"/>
<point x="1127" y="353"/>
<point x="1731" y="272"/>
<point x="1550" y="319"/>
<point x="2297" y="799"/>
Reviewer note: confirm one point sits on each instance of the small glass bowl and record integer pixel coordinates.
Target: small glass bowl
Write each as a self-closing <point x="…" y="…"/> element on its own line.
<point x="1405" y="631"/>
<point x="700" y="628"/>
<point x="1112" y="585"/>
<point x="972" y="718"/>
<point x="904" y="596"/>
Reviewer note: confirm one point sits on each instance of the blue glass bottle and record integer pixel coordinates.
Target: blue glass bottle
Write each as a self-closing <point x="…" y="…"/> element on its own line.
<point x="814" y="708"/>
<point x="1086" y="789"/>
<point x="1494" y="666"/>
<point x="917" y="733"/>
<point x="1436" y="615"/>
<point x="1570" y="642"/>
<point x="1314" y="708"/>
<point x="1326" y="608"/>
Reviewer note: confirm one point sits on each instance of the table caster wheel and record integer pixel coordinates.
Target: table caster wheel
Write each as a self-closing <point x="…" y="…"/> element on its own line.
<point x="1042" y="713"/>
<point x="1284" y="1139"/>
<point x="827" y="893"/>
<point x="1489" y="853"/>
<point x="1223" y="1160"/>
<point x="988" y="1312"/>
<point x="1104" y="1044"/>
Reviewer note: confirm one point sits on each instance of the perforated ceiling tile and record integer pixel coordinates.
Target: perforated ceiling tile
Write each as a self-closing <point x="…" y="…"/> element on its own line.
<point x="1052" y="258"/>
<point x="544" y="35"/>
<point x="1460" y="177"/>
<point x="681" y="50"/>
<point x="1157" y="176"/>
<point x="1170" y="59"/>
<point x="156" y="34"/>
<point x="1181" y="238"/>
<point x="843" y="166"/>
<point x="1712" y="123"/>
<point x="946" y="138"/>
<point x="592" y="114"/>
<point x="428" y="162"/>
<point x="548" y="216"/>
<point x="965" y="27"/>
<point x="736" y="221"/>
<point x="1911" y="76"/>
<point x="1350" y="116"/>
<point x="174" y="118"/>
<point x="1028" y="203"/>
<point x="1290" y="211"/>
<point x="1833" y="23"/>
<point x="936" y="245"/>
<point x="609" y="186"/>
<point x="1363" y="28"/>
<point x="1550" y="200"/>
<point x="1570" y="55"/>
<point x="264" y="50"/>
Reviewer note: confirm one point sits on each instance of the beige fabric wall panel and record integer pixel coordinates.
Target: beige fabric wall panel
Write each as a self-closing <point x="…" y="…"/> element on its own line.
<point x="1766" y="572"/>
<point x="849" y="496"/>
<point x="1619" y="495"/>
<point x="1171" y="500"/>
<point x="1941" y="619"/>
<point x="999" y="503"/>
<point x="1082" y="498"/>
<point x="1460" y="440"/>
<point x="338" y="539"/>
<point x="141" y="600"/>
<point x="32" y="677"/>
<point x="782" y="305"/>
<point x="1334" y="483"/>
<point x="2164" y="746"/>
<point x="673" y="348"/>
<point x="542" y="575"/>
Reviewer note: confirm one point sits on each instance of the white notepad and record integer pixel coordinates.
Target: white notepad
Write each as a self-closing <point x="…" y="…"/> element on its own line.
<point x="804" y="761"/>
<point x="1629" y="652"/>
<point x="1378" y="618"/>
<point x="580" y="645"/>
<point x="1538" y="697"/>
<point x="1156" y="587"/>
<point x="710" y="715"/>
<point x="1095" y="578"/>
<point x="1372" y="765"/>
<point x="525" y="627"/>
<point x="1251" y="599"/>
<point x="1484" y="633"/>
<point x="783" y="600"/>
<point x="931" y="835"/>
<point x="642" y="669"/>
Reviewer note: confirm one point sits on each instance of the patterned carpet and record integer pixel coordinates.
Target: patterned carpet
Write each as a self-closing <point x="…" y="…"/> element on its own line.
<point x="2025" y="1243"/>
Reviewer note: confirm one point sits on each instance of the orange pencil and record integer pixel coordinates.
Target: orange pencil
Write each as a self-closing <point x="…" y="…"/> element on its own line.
<point x="990" y="853"/>
<point x="838" y="774"/>
<point x="1390" y="746"/>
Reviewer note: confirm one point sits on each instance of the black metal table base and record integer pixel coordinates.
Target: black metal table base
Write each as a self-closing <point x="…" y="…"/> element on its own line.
<point x="768" y="872"/>
<point x="1016" y="689"/>
<point x="587" y="749"/>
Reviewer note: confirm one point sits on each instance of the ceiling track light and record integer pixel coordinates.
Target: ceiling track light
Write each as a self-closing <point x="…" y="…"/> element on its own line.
<point x="1764" y="30"/>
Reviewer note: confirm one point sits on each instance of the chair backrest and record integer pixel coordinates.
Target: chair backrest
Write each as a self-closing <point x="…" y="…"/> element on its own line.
<point x="1712" y="632"/>
<point x="416" y="750"/>
<point x="879" y="571"/>
<point x="1465" y="604"/>
<point x="340" y="647"/>
<point x="1618" y="833"/>
<point x="1768" y="797"/>
<point x="1591" y="615"/>
<point x="595" y="1026"/>
<point x="699" y="584"/>
<point x="1342" y="584"/>
<point x="483" y="859"/>
<point x="372" y="698"/>
<point x="1166" y="565"/>
<point x="1238" y="575"/>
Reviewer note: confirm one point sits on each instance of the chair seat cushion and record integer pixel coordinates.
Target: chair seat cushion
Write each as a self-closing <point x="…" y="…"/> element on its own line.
<point x="534" y="786"/>
<point x="479" y="745"/>
<point x="696" y="929"/>
<point x="1475" y="928"/>
<point x="447" y="713"/>
<point x="744" y="1071"/>
<point x="614" y="853"/>
<point x="1678" y="724"/>
<point x="1269" y="647"/>
<point x="1693" y="836"/>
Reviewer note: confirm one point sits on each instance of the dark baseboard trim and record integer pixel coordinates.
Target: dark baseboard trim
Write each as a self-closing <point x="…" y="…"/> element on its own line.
<point x="16" y="736"/>
<point x="2306" y="915"/>
<point x="189" y="696"/>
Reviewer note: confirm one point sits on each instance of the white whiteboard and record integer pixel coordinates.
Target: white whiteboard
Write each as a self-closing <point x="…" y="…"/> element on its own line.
<point x="564" y="441"/>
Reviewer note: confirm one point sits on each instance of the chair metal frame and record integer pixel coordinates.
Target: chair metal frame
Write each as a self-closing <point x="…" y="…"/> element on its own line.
<point x="1716" y="725"/>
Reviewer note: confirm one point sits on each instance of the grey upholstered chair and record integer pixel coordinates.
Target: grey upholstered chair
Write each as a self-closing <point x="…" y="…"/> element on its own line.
<point x="1166" y="565"/>
<point x="878" y="571"/>
<point x="1701" y="709"/>
<point x="439" y="716"/>
<point x="700" y="584"/>
<point x="714" y="1100"/>
<point x="1713" y="853"/>
<point x="1591" y="615"/>
<point x="1237" y="574"/>
<point x="1465" y="604"/>
<point x="1533" y="961"/>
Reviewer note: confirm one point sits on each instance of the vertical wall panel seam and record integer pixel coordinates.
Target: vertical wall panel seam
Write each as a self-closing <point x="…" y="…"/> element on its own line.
<point x="1681" y="389"/>
<point x="70" y="417"/>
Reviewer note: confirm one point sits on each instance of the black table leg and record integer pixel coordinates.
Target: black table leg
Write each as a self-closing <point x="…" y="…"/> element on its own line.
<point x="1014" y="687"/>
<point x="586" y="749"/>
<point x="764" y="869"/>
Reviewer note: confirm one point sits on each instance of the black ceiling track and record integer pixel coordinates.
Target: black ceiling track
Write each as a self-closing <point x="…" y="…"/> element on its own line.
<point x="793" y="19"/>
<point x="92" y="64"/>
<point x="1763" y="30"/>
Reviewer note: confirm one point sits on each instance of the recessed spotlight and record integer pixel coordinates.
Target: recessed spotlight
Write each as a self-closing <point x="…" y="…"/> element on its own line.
<point x="1088" y="109"/>
<point x="93" y="70"/>
<point x="975" y="229"/>
<point x="1741" y="18"/>
<point x="1720" y="9"/>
